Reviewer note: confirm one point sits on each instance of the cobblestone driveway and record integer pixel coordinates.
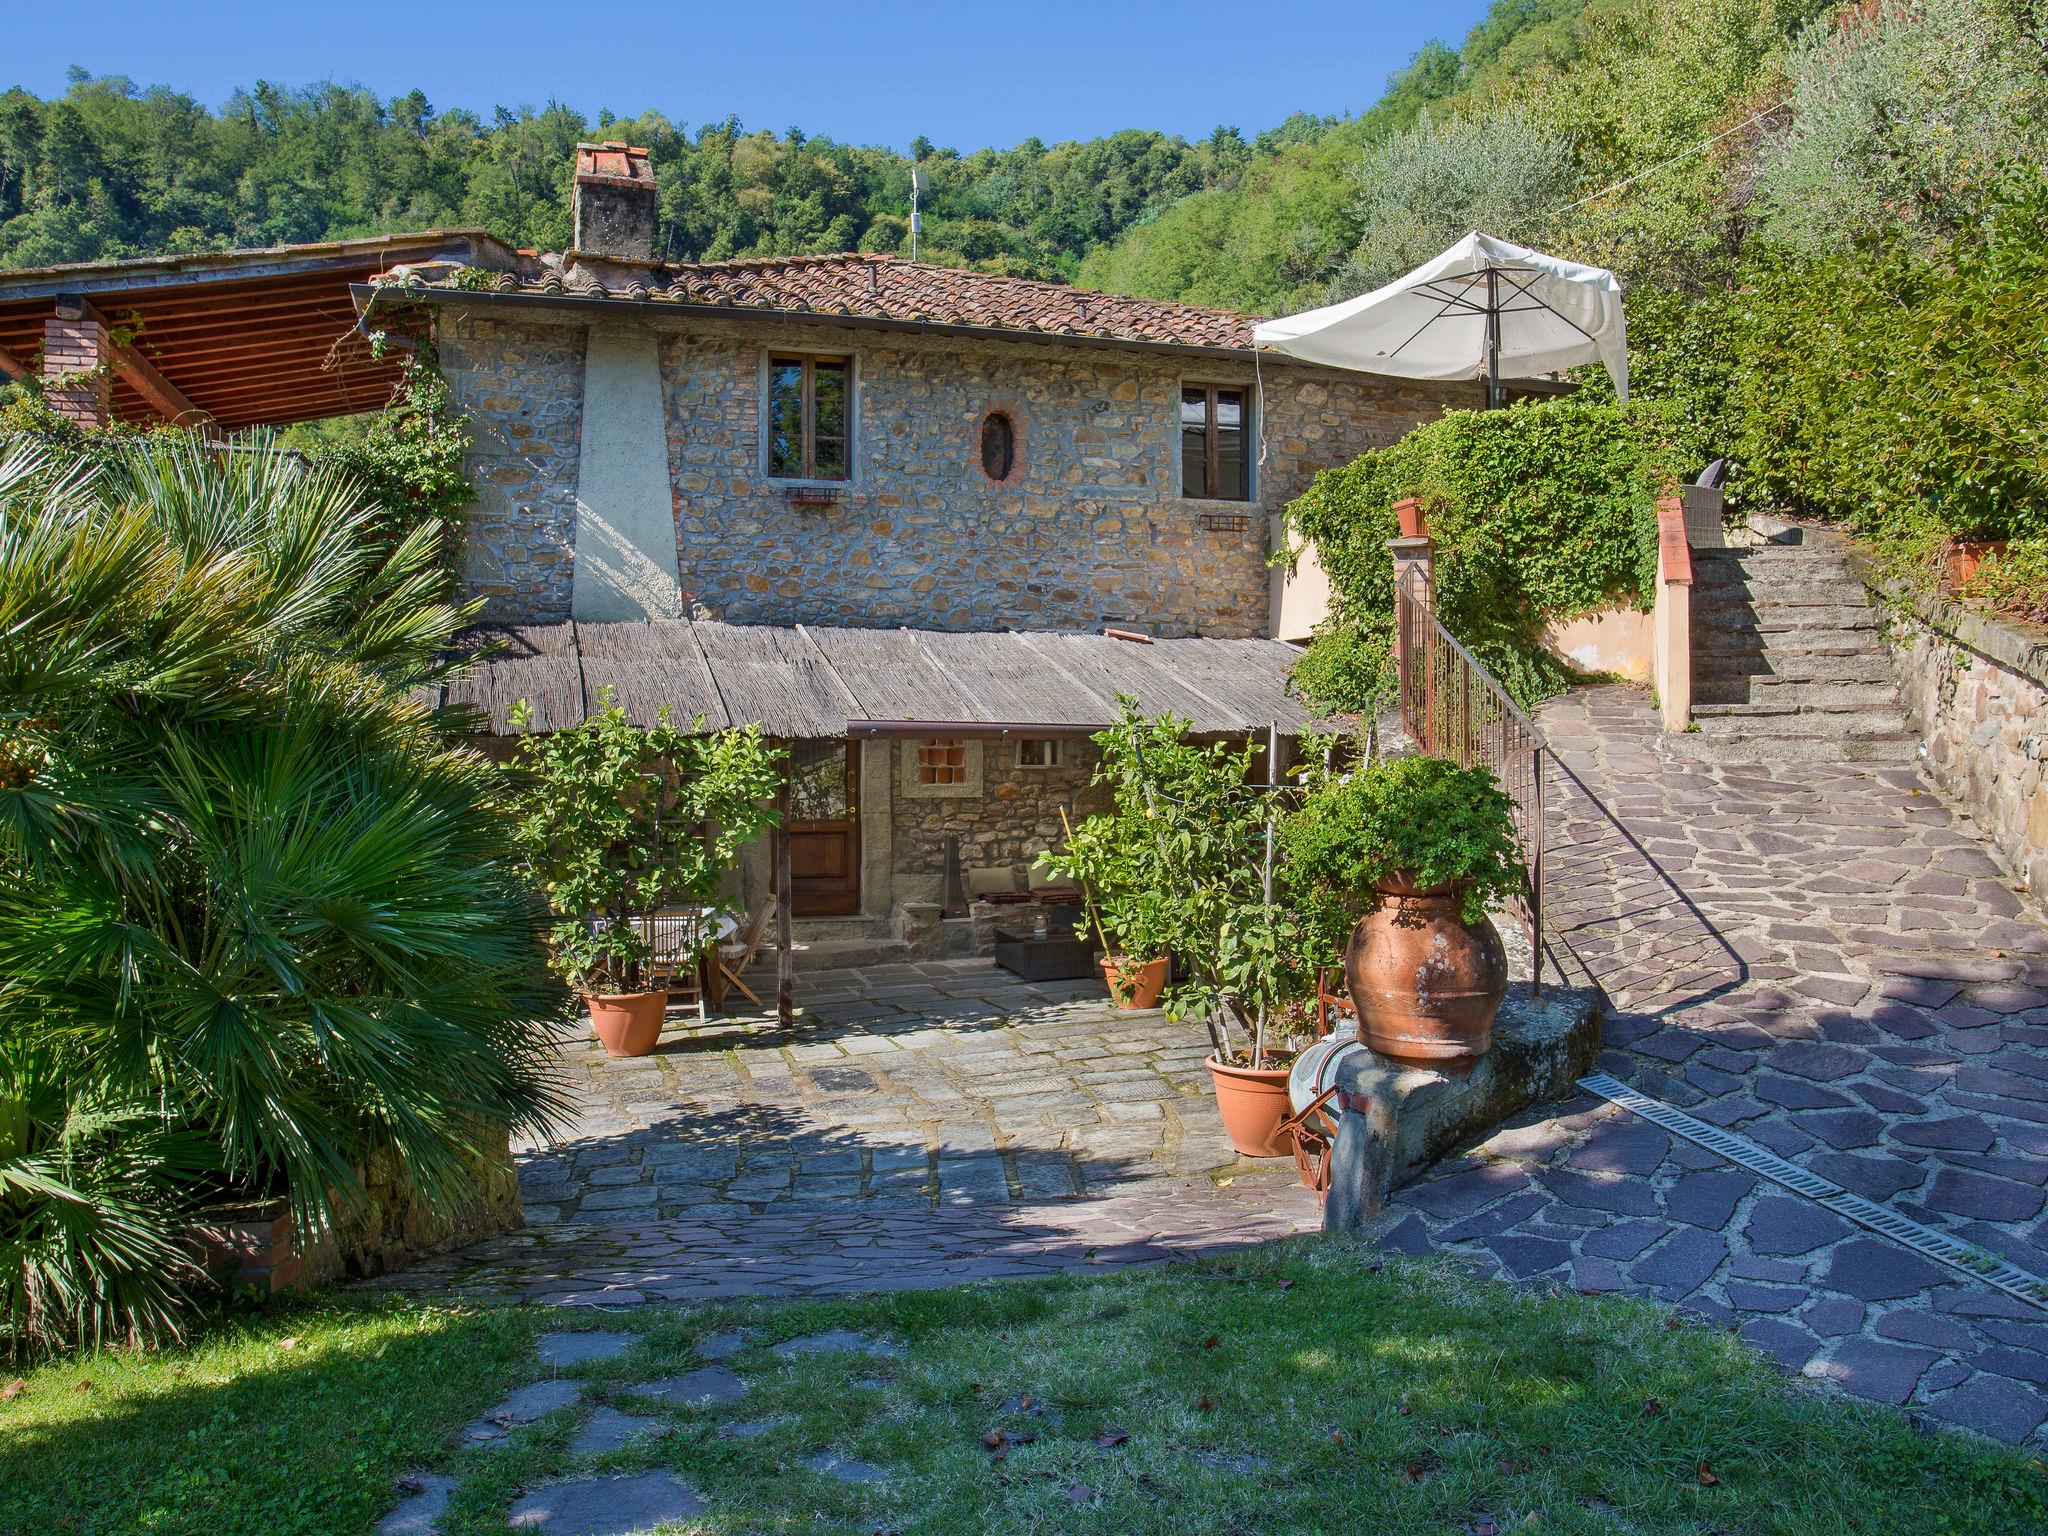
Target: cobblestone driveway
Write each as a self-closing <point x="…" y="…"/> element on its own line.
<point x="1827" y="962"/>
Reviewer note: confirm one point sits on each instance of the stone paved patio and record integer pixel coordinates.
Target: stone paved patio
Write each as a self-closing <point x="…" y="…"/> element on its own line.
<point x="1822" y="959"/>
<point x="926" y="1124"/>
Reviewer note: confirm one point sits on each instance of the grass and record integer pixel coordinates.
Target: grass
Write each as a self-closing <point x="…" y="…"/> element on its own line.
<point x="1304" y="1388"/>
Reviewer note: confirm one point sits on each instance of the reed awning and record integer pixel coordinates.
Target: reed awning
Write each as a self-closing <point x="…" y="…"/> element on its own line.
<point x="801" y="681"/>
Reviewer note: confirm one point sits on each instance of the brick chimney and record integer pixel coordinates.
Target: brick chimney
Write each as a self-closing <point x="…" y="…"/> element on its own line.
<point x="614" y="202"/>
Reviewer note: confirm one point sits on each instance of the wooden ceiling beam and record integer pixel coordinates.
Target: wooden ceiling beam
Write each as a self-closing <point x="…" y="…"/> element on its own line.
<point x="287" y="371"/>
<point x="161" y="395"/>
<point x="248" y="397"/>
<point x="12" y="366"/>
<point x="332" y="298"/>
<point x="317" y="344"/>
<point x="171" y="339"/>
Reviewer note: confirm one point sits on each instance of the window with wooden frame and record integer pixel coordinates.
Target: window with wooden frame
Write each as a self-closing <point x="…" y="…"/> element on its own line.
<point x="809" y="412"/>
<point x="941" y="761"/>
<point x="1038" y="752"/>
<point x="1215" y="442"/>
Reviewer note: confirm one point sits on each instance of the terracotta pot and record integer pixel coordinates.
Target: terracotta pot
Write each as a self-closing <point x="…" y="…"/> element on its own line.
<point x="1132" y="983"/>
<point x="1408" y="513"/>
<point x="1252" y="1105"/>
<point x="626" y="1023"/>
<point x="1964" y="558"/>
<point x="1426" y="983"/>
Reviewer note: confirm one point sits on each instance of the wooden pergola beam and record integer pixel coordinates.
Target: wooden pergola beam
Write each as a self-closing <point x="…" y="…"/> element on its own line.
<point x="12" y="366"/>
<point x="163" y="397"/>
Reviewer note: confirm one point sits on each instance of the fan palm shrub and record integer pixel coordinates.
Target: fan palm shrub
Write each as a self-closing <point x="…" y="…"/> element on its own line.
<point x="253" y="898"/>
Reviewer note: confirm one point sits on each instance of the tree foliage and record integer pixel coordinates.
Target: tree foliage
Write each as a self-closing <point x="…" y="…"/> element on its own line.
<point x="1421" y="191"/>
<point x="109" y="169"/>
<point x="617" y="822"/>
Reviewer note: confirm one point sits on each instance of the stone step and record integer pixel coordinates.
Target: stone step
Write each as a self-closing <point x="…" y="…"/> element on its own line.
<point x="809" y="929"/>
<point x="1779" y="618"/>
<point x="1770" y="688"/>
<point x="1778" y="716"/>
<point x="1706" y="746"/>
<point x="1808" y="594"/>
<point x="1772" y="558"/>
<point x="1774" y="578"/>
<point x="837" y="955"/>
<point x="1801" y="644"/>
<point x="1861" y="665"/>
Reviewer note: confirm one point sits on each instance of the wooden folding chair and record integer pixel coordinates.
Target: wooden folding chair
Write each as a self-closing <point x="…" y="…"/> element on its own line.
<point x="737" y="953"/>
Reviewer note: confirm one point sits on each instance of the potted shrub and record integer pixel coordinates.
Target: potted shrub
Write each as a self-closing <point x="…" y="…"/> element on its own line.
<point x="1180" y="867"/>
<point x="618" y="822"/>
<point x="1130" y="920"/>
<point x="1413" y="848"/>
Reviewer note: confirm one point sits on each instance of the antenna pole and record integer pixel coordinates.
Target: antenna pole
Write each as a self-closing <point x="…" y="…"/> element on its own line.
<point x="916" y="220"/>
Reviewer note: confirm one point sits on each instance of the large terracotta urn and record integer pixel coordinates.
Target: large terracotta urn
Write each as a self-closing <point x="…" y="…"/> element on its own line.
<point x="1426" y="983"/>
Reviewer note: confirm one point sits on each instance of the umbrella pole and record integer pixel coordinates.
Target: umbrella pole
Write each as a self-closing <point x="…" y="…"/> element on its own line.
<point x="1492" y="339"/>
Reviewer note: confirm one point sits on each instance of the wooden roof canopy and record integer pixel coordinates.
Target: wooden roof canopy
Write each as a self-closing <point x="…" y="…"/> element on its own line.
<point x="800" y="681"/>
<point x="247" y="338"/>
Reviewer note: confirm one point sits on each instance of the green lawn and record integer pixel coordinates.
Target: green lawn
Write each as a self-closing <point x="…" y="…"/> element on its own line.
<point x="1302" y="1388"/>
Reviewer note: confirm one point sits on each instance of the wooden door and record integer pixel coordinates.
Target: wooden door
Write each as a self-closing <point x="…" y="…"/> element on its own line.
<point x="824" y="828"/>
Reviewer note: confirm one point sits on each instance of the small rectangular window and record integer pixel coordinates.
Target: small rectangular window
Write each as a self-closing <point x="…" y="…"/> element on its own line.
<point x="1038" y="752"/>
<point x="940" y="761"/>
<point x="809" y="437"/>
<point x="1215" y="443"/>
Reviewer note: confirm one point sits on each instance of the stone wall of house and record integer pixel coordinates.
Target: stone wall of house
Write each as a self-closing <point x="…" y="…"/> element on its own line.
<point x="522" y="384"/>
<point x="1976" y="689"/>
<point x="1089" y="528"/>
<point x="1014" y="815"/>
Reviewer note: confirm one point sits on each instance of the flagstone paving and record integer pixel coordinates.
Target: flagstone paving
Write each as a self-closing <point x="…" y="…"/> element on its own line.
<point x="1823" y="960"/>
<point x="925" y="1124"/>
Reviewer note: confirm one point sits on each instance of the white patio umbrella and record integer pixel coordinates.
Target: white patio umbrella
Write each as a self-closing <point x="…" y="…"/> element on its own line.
<point x="1483" y="307"/>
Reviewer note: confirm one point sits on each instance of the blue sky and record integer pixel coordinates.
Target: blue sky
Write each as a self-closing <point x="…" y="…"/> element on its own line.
<point x="965" y="75"/>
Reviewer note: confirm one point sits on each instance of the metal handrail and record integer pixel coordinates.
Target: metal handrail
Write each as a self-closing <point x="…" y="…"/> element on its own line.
<point x="1453" y="708"/>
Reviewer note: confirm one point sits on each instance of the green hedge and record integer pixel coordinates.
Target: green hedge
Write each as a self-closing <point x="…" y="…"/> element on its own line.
<point x="1539" y="512"/>
<point x="1902" y="390"/>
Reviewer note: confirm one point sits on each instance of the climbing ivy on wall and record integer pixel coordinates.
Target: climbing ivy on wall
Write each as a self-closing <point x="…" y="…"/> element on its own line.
<point x="1539" y="512"/>
<point x="408" y="456"/>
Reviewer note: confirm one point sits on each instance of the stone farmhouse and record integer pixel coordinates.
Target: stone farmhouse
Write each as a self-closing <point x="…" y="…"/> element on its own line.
<point x="942" y="493"/>
<point x="925" y="524"/>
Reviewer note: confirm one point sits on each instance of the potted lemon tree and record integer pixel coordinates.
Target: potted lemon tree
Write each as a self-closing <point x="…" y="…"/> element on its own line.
<point x="1177" y="867"/>
<point x="618" y="822"/>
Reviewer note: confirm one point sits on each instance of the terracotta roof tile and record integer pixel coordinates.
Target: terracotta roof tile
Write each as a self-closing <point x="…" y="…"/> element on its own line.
<point x="882" y="287"/>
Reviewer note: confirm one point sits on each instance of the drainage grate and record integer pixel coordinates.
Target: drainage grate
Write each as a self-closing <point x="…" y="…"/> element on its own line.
<point x="1972" y="1260"/>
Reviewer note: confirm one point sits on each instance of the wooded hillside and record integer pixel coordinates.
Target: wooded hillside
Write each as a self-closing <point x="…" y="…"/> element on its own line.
<point x="114" y="169"/>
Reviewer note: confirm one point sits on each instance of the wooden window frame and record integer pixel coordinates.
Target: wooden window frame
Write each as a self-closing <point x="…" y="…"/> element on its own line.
<point x="1248" y="405"/>
<point x="1051" y="744"/>
<point x="808" y="411"/>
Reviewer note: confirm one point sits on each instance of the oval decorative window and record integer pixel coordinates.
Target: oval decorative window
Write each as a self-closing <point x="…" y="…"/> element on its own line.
<point x="998" y="446"/>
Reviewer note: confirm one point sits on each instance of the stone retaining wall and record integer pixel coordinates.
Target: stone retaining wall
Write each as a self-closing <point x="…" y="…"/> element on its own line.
<point x="1976" y="690"/>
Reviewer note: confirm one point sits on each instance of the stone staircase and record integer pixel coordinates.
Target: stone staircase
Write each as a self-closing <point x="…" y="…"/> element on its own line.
<point x="1788" y="662"/>
<point x="837" y="944"/>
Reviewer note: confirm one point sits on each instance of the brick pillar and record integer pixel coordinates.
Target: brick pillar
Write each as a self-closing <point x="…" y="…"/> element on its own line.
<point x="77" y="383"/>
<point x="1414" y="574"/>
